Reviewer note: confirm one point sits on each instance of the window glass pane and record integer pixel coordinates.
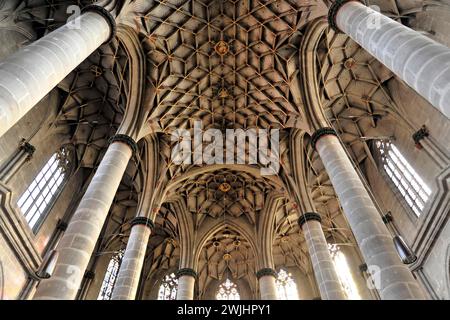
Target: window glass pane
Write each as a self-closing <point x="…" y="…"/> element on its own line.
<point x="43" y="190"/>
<point x="286" y="287"/>
<point x="228" y="291"/>
<point x="409" y="184"/>
<point x="343" y="272"/>
<point x="110" y="276"/>
<point x="168" y="288"/>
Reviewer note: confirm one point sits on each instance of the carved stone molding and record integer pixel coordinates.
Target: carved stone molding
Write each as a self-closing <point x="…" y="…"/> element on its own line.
<point x="186" y="272"/>
<point x="435" y="219"/>
<point x="105" y="14"/>
<point x="16" y="234"/>
<point x="266" y="272"/>
<point x="307" y="216"/>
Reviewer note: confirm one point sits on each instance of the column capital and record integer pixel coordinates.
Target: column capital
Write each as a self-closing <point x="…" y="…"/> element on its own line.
<point x="332" y="12"/>
<point x="125" y="139"/>
<point x="27" y="147"/>
<point x="320" y="133"/>
<point x="144" y="221"/>
<point x="89" y="274"/>
<point x="61" y="225"/>
<point x="105" y="14"/>
<point x="307" y="216"/>
<point x="363" y="267"/>
<point x="266" y="272"/>
<point x="420" y="134"/>
<point x="187" y="272"/>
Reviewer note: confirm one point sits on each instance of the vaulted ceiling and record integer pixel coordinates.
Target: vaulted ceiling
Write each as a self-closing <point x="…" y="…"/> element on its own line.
<point x="229" y="64"/>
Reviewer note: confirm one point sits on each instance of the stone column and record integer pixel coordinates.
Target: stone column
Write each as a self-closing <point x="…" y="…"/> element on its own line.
<point x="78" y="242"/>
<point x="130" y="271"/>
<point x="395" y="279"/>
<point x="327" y="279"/>
<point x="186" y="284"/>
<point x="267" y="287"/>
<point x="33" y="71"/>
<point x="421" y="62"/>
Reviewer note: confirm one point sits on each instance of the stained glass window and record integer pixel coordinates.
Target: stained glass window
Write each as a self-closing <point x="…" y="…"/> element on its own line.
<point x="110" y="277"/>
<point x="286" y="287"/>
<point x="228" y="291"/>
<point x="407" y="181"/>
<point x="168" y="288"/>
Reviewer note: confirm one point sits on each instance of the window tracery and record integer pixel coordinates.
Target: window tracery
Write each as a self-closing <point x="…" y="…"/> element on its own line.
<point x="168" y="288"/>
<point x="228" y="291"/>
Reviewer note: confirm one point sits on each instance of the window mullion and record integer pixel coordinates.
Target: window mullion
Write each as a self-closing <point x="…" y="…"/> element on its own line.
<point x="408" y="183"/>
<point x="41" y="192"/>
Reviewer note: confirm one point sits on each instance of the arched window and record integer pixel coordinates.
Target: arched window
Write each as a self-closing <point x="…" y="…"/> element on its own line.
<point x="228" y="291"/>
<point x="110" y="277"/>
<point x="37" y="200"/>
<point x="343" y="272"/>
<point x="406" y="180"/>
<point x="286" y="287"/>
<point x="168" y="288"/>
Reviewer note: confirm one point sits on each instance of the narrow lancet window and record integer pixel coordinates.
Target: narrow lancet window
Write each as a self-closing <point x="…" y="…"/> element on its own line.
<point x="406" y="180"/>
<point x="343" y="272"/>
<point x="286" y="287"/>
<point x="168" y="288"/>
<point x="110" y="276"/>
<point x="37" y="200"/>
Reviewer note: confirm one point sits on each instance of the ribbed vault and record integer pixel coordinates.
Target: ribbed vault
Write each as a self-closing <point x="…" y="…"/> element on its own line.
<point x="229" y="64"/>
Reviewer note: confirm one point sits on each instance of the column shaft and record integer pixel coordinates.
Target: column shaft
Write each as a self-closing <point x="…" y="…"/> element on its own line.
<point x="130" y="271"/>
<point x="268" y="288"/>
<point x="78" y="242"/>
<point x="186" y="285"/>
<point x="327" y="279"/>
<point x="30" y="73"/>
<point x="421" y="62"/>
<point x="395" y="280"/>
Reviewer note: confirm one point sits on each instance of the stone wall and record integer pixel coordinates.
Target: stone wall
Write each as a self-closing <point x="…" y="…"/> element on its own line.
<point x="12" y="275"/>
<point x="430" y="163"/>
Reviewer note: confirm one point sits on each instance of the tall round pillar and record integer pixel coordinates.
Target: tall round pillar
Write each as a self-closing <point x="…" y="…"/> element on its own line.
<point x="130" y="270"/>
<point x="394" y="279"/>
<point x="327" y="279"/>
<point x="186" y="284"/>
<point x="33" y="71"/>
<point x="77" y="244"/>
<point x="267" y="284"/>
<point x="420" y="61"/>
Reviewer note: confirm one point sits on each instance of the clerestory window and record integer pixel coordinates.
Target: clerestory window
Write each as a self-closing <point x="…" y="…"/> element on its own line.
<point x="406" y="180"/>
<point x="36" y="202"/>
<point x="228" y="291"/>
<point x="110" y="276"/>
<point x="286" y="287"/>
<point x="343" y="272"/>
<point x="168" y="288"/>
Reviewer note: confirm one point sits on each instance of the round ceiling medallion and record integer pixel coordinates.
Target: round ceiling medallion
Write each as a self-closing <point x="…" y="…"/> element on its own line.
<point x="227" y="257"/>
<point x="223" y="93"/>
<point x="224" y="187"/>
<point x="349" y="63"/>
<point x="222" y="48"/>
